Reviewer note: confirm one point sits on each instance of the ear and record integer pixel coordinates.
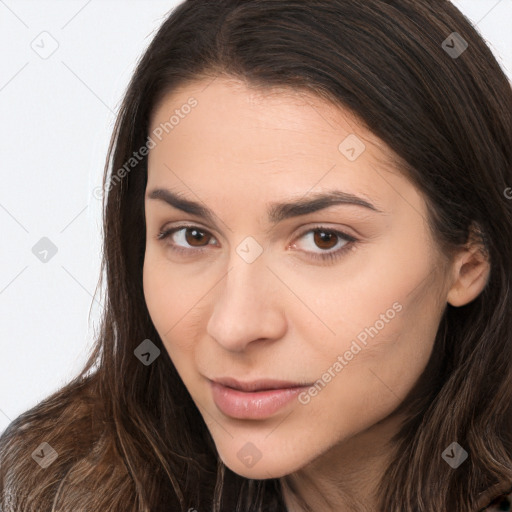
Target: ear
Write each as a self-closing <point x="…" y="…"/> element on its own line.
<point x="471" y="270"/>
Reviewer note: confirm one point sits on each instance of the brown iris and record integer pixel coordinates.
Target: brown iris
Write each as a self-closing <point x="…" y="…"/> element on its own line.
<point x="322" y="236"/>
<point x="195" y="236"/>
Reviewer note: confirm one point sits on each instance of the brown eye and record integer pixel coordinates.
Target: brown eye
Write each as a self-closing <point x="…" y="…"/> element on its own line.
<point x="194" y="237"/>
<point x="186" y="238"/>
<point x="324" y="239"/>
<point x="330" y="244"/>
<point x="323" y="243"/>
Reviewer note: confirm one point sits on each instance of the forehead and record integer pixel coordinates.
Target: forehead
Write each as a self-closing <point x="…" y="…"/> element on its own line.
<point x="277" y="116"/>
<point x="239" y="136"/>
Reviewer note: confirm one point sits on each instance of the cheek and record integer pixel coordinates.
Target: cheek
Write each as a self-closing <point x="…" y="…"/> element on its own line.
<point x="392" y="357"/>
<point x="157" y="294"/>
<point x="173" y="306"/>
<point x="391" y="305"/>
<point x="374" y="379"/>
<point x="385" y="331"/>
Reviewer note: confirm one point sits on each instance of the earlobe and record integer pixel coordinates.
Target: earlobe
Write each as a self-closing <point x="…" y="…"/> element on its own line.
<point x="472" y="269"/>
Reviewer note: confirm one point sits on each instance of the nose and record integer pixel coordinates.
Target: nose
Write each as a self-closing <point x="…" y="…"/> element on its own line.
<point x="248" y="307"/>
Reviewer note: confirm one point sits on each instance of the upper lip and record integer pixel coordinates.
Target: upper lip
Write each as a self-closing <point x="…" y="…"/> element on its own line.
<point x="257" y="385"/>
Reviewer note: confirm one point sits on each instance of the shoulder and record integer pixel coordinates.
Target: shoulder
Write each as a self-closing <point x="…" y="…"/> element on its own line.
<point x="73" y="406"/>
<point x="64" y="438"/>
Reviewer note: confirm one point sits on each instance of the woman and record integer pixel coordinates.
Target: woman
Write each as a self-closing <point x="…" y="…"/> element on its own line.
<point x="307" y="257"/>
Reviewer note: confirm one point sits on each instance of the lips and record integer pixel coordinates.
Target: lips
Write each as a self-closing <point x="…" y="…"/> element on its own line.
<point x="254" y="400"/>
<point x="257" y="385"/>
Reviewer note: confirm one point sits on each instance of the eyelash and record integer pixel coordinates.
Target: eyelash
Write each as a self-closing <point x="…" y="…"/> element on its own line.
<point x="326" y="256"/>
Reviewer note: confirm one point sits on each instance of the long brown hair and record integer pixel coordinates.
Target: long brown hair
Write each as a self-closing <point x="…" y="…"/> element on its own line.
<point x="128" y="436"/>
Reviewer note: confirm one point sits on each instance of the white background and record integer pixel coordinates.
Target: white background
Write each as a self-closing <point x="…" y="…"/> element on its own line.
<point x="56" y="117"/>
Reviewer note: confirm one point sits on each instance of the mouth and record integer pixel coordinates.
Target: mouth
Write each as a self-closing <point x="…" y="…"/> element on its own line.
<point x="257" y="399"/>
<point x="258" y="385"/>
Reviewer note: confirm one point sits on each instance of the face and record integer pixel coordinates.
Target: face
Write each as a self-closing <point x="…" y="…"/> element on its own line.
<point x="324" y="310"/>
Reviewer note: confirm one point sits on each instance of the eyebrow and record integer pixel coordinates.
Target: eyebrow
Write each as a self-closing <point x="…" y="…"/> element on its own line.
<point x="276" y="212"/>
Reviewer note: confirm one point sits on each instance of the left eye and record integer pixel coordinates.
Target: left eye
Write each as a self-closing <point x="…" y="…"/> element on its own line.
<point x="324" y="239"/>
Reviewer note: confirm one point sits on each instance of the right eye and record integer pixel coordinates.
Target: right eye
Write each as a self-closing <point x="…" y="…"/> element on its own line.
<point x="187" y="236"/>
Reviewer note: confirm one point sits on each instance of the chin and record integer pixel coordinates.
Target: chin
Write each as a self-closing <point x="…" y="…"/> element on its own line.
<point x="275" y="465"/>
<point x="260" y="471"/>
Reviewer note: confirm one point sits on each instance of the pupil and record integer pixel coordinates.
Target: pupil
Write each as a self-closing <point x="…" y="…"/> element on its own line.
<point x="196" y="234"/>
<point x="324" y="238"/>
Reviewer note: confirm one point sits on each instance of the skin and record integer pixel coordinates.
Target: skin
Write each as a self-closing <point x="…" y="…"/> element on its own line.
<point x="287" y="315"/>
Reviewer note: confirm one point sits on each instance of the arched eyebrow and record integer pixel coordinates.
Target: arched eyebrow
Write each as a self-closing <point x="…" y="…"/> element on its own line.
<point x="276" y="212"/>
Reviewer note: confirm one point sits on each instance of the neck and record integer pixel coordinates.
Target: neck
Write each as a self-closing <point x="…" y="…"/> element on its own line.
<point x="346" y="478"/>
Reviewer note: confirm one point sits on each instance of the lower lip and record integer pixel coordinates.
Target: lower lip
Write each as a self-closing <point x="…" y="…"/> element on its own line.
<point x="252" y="405"/>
